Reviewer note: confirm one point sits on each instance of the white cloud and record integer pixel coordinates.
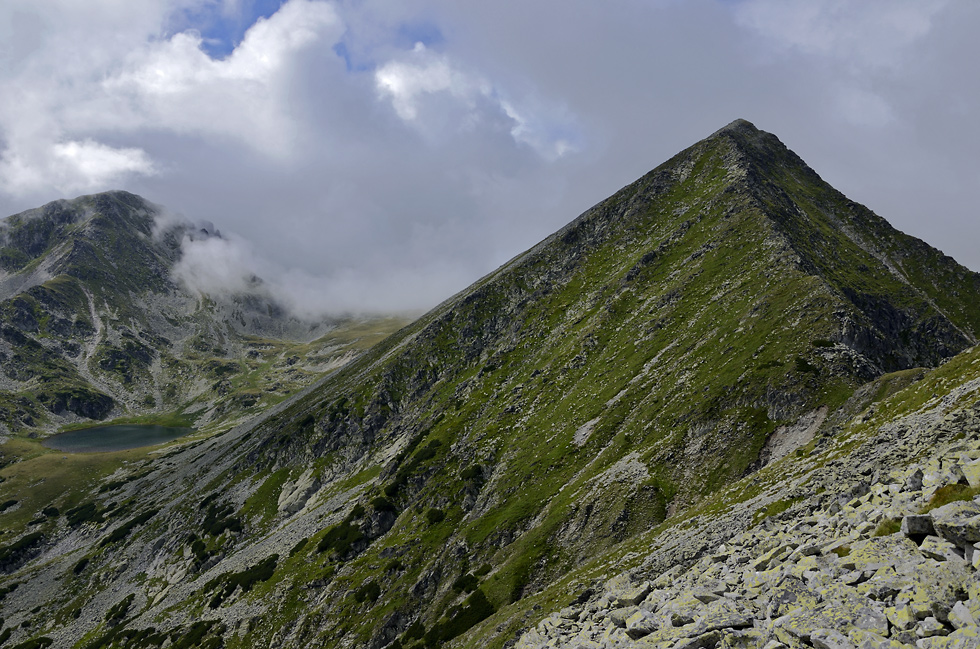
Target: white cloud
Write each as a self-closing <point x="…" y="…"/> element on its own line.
<point x="175" y="85"/>
<point x="426" y="73"/>
<point x="865" y="34"/>
<point x="70" y="167"/>
<point x="60" y="98"/>
<point x="217" y="265"/>
<point x="423" y="75"/>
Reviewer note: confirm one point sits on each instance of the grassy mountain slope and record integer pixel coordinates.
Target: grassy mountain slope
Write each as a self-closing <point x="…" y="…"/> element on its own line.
<point x="705" y="320"/>
<point x="94" y="325"/>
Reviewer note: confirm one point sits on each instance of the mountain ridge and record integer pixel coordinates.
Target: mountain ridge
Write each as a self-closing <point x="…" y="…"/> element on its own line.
<point x="626" y="371"/>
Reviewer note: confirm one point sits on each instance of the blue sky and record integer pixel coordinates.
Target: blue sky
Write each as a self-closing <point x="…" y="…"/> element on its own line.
<point x="222" y="29"/>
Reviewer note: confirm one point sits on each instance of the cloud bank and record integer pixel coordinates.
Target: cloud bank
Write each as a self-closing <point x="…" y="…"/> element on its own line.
<point x="362" y="154"/>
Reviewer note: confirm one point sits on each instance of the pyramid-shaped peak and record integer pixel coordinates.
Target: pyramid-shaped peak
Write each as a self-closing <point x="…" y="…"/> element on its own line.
<point x="747" y="137"/>
<point x="741" y="126"/>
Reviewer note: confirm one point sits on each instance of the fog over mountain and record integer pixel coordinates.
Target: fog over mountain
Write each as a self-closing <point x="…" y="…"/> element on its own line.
<point x="374" y="155"/>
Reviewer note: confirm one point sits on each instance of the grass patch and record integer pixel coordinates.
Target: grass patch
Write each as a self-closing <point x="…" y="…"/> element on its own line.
<point x="949" y="494"/>
<point x="773" y="509"/>
<point x="888" y="527"/>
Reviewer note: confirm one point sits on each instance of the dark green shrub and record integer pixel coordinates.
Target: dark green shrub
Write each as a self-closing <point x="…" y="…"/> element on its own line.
<point x="246" y="579"/>
<point x="219" y="519"/>
<point x="467" y="583"/>
<point x="434" y="515"/>
<point x="382" y="504"/>
<point x="483" y="570"/>
<point x="6" y="590"/>
<point x="472" y="472"/>
<point x="299" y="547"/>
<point x="50" y="512"/>
<point x="118" y="611"/>
<point x="476" y="609"/>
<point x="123" y="530"/>
<point x="803" y="366"/>
<point x="85" y="513"/>
<point x="370" y="591"/>
<point x="340" y="538"/>
<point x="22" y="544"/>
<point x="80" y="566"/>
<point x="414" y="632"/>
<point x="36" y="643"/>
<point x="4" y="506"/>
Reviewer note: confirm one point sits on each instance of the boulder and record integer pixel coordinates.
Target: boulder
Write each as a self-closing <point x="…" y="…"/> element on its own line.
<point x="958" y="522"/>
<point x="830" y="639"/>
<point x="960" y="616"/>
<point x="917" y="525"/>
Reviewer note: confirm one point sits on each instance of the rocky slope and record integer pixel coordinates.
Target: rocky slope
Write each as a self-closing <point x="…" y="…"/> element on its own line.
<point x="94" y="324"/>
<point x="868" y="547"/>
<point x="633" y="391"/>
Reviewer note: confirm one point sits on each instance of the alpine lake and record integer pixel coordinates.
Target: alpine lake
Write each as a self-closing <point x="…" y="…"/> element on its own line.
<point x="120" y="437"/>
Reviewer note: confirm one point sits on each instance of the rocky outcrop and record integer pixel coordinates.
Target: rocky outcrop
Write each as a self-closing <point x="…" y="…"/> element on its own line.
<point x="294" y="495"/>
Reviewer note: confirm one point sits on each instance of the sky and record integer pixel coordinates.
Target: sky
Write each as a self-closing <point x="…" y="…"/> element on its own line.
<point x="374" y="155"/>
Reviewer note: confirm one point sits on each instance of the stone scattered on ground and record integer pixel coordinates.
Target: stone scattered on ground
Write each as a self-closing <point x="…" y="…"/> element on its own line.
<point x="838" y="577"/>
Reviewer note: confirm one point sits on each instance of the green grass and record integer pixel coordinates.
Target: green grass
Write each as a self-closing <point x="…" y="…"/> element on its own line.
<point x="888" y="527"/>
<point x="949" y="494"/>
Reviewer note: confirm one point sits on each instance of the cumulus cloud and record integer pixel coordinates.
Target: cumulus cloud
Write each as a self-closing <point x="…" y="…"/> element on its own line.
<point x="175" y="85"/>
<point x="409" y="80"/>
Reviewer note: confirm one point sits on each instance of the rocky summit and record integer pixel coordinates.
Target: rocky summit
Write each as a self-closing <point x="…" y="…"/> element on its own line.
<point x="725" y="407"/>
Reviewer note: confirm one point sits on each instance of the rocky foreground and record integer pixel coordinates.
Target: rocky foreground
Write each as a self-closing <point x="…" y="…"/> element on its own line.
<point x="871" y="559"/>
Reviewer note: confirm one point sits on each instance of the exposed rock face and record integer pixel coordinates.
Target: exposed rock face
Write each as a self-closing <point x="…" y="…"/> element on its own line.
<point x="295" y="494"/>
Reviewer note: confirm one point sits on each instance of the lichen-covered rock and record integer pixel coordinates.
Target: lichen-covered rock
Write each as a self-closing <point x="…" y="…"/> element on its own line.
<point x="958" y="522"/>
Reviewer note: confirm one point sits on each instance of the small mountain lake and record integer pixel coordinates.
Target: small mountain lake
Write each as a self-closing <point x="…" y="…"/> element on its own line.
<point x="113" y="438"/>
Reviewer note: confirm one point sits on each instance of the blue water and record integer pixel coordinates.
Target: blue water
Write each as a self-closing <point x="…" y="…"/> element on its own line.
<point x="113" y="438"/>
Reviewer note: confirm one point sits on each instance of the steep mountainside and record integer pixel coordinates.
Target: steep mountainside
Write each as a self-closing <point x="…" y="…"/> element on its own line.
<point x="93" y="323"/>
<point x="536" y="431"/>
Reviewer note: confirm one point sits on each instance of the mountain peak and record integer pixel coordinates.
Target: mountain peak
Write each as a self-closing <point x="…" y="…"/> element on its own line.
<point x="739" y="125"/>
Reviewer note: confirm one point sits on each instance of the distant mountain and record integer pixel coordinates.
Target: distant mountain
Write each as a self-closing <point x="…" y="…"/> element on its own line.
<point x="664" y="361"/>
<point x="95" y="325"/>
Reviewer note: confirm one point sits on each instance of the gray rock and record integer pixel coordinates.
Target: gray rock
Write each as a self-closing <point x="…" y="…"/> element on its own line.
<point x="641" y="623"/>
<point x="830" y="639"/>
<point x="914" y="481"/>
<point x="930" y="627"/>
<point x="960" y="616"/>
<point x="940" y="549"/>
<point x="958" y="522"/>
<point x="917" y="524"/>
